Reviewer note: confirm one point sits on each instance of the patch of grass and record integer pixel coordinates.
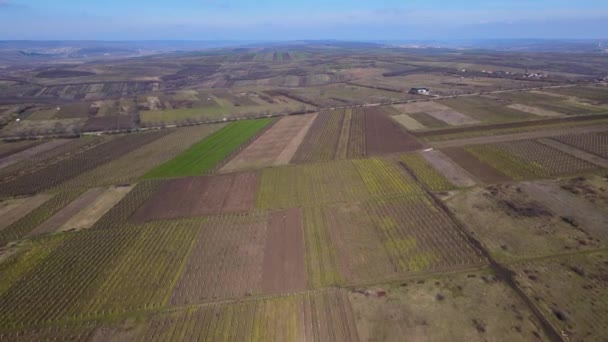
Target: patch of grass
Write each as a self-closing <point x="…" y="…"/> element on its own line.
<point x="206" y="154"/>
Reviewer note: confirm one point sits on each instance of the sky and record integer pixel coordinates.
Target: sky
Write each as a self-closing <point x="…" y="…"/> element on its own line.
<point x="302" y="20"/>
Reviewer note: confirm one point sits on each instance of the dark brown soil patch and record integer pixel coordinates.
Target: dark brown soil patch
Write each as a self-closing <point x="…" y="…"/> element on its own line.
<point x="474" y="166"/>
<point x="200" y="196"/>
<point x="383" y="135"/>
<point x="284" y="269"/>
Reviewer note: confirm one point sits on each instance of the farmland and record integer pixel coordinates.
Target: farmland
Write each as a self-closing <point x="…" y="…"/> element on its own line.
<point x="206" y="154"/>
<point x="300" y="193"/>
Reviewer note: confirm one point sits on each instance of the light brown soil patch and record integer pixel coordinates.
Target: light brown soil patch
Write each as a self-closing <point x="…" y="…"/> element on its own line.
<point x="535" y="110"/>
<point x="474" y="166"/>
<point x="13" y="210"/>
<point x="292" y="147"/>
<point x="420" y="107"/>
<point x="200" y="196"/>
<point x="408" y="122"/>
<point x="383" y="135"/>
<point x="284" y="269"/>
<point x="269" y="147"/>
<point x="17" y="157"/>
<point x="453" y="117"/>
<point x="87" y="217"/>
<point x="450" y="170"/>
<point x="64" y="215"/>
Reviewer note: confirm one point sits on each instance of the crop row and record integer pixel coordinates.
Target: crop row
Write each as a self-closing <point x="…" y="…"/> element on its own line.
<point x="311" y="316"/>
<point x="61" y="284"/>
<point x="130" y="167"/>
<point x="322" y="140"/>
<point x="330" y="182"/>
<point x="52" y="174"/>
<point x="529" y="159"/>
<point x="425" y="173"/>
<point x="418" y="236"/>
<point x="596" y="143"/>
<point x="94" y="273"/>
<point x="209" y="152"/>
<point x="37" y="161"/>
<point x="124" y="209"/>
<point x="29" y="222"/>
<point x="321" y="258"/>
<point x="226" y="260"/>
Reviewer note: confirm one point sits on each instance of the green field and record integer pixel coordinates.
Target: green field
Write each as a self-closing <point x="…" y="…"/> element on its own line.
<point x="206" y="154"/>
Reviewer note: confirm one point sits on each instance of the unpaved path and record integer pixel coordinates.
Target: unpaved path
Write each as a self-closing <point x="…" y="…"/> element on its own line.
<point x="575" y="152"/>
<point x="13" y="210"/>
<point x="64" y="215"/>
<point x="516" y="136"/>
<point x="87" y="217"/>
<point x="584" y="214"/>
<point x="449" y="169"/>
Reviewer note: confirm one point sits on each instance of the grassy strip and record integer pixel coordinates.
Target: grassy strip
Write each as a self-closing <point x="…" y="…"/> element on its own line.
<point x="206" y="154"/>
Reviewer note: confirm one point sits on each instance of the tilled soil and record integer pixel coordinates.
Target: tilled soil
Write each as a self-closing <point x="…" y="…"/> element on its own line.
<point x="200" y="196"/>
<point x="474" y="166"/>
<point x="384" y="135"/>
<point x="269" y="147"/>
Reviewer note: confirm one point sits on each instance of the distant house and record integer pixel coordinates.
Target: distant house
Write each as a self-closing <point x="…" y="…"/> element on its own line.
<point x="420" y="91"/>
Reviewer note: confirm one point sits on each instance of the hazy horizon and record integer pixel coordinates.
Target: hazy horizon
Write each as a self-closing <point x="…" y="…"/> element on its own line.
<point x="271" y="20"/>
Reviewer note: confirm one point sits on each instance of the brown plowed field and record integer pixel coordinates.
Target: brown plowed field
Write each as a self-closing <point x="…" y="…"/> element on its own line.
<point x="266" y="150"/>
<point x="284" y="268"/>
<point x="200" y="196"/>
<point x="383" y="135"/>
<point x="474" y="166"/>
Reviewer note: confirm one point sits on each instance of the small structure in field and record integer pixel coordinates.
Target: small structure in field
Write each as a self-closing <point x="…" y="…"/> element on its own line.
<point x="420" y="91"/>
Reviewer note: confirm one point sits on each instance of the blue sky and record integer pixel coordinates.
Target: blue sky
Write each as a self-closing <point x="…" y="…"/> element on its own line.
<point x="311" y="19"/>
